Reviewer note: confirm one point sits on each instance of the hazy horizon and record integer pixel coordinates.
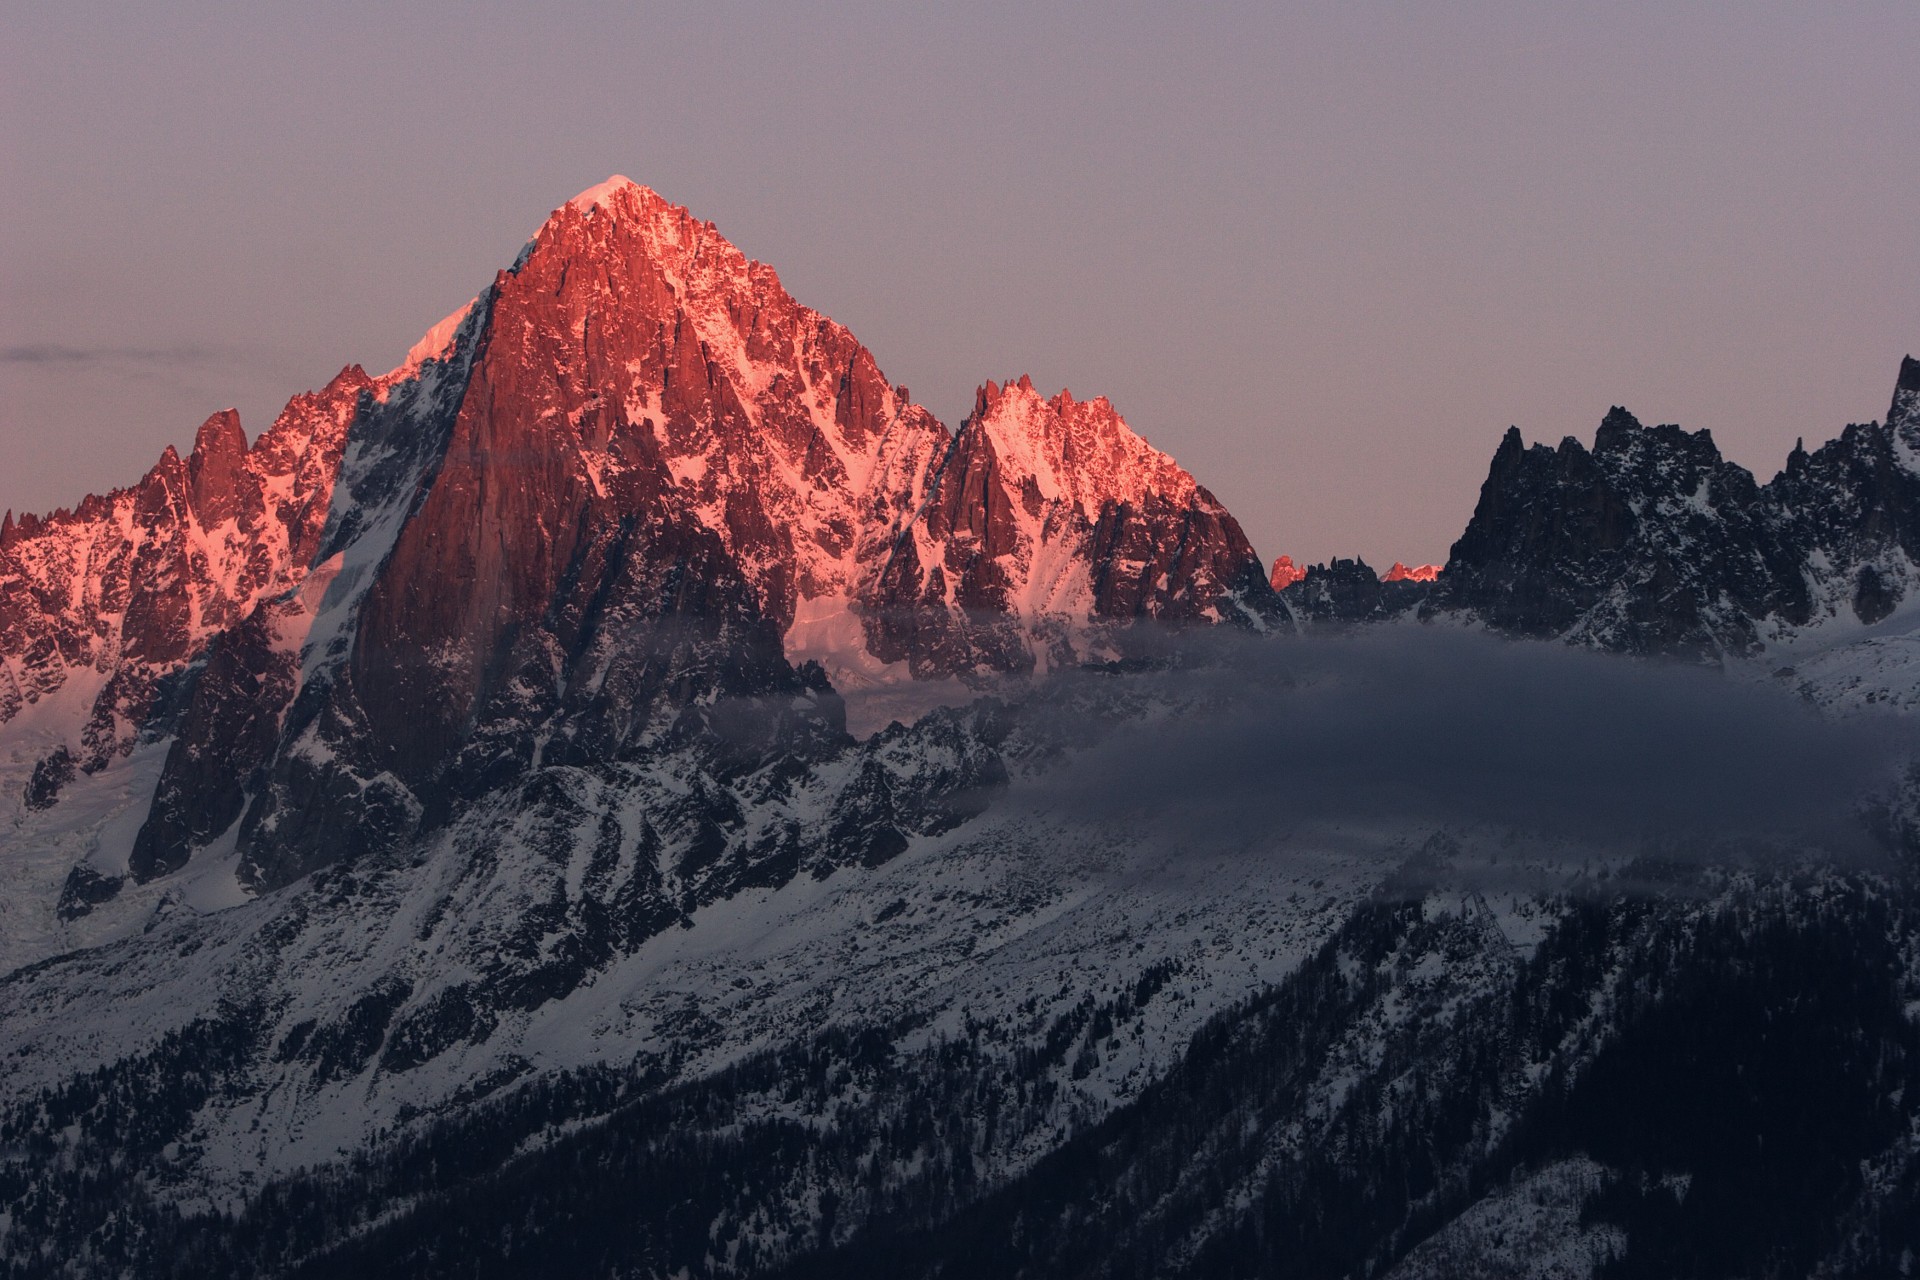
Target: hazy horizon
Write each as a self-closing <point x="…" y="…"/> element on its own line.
<point x="1323" y="257"/>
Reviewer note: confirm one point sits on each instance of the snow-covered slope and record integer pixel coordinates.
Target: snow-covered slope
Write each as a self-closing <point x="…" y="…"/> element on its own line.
<point x="604" y="914"/>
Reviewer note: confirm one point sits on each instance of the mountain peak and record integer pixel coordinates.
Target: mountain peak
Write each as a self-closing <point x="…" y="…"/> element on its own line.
<point x="602" y="195"/>
<point x="221" y="432"/>
<point x="1080" y="450"/>
<point x="1906" y="394"/>
<point x="1616" y="432"/>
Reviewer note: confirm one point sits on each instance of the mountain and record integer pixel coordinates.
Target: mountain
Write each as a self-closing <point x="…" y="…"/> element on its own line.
<point x="633" y="474"/>
<point x="627" y="792"/>
<point x="1652" y="543"/>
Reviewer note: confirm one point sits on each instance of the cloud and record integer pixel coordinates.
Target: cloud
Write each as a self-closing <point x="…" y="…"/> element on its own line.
<point x="1417" y="728"/>
<point x="54" y="353"/>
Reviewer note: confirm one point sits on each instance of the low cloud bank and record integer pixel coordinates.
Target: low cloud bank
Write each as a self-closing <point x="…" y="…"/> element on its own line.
<point x="1437" y="728"/>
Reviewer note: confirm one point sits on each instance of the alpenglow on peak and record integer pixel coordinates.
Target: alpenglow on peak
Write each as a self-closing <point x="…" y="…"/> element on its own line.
<point x="601" y="194"/>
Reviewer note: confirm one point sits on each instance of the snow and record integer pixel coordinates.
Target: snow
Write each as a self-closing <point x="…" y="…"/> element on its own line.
<point x="601" y="194"/>
<point x="966" y="925"/>
<point x="433" y="345"/>
<point x="1533" y="1226"/>
<point x="93" y="825"/>
<point x="1847" y="667"/>
<point x="827" y="630"/>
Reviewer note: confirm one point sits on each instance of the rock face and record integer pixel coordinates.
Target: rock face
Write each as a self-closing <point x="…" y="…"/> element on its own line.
<point x="1418" y="573"/>
<point x="1652" y="543"/>
<point x="1285" y="573"/>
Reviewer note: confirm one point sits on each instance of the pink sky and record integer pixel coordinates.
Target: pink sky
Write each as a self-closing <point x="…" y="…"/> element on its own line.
<point x="1323" y="256"/>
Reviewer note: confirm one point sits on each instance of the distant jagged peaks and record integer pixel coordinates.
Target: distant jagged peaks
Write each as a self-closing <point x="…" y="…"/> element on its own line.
<point x="1341" y="592"/>
<point x="1285" y="572"/>
<point x="1418" y="573"/>
<point x="1651" y="542"/>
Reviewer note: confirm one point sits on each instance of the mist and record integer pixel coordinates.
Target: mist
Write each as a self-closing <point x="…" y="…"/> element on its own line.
<point x="1429" y="729"/>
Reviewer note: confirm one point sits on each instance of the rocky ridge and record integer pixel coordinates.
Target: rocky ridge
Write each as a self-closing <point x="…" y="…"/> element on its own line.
<point x="99" y="604"/>
<point x="1651" y="542"/>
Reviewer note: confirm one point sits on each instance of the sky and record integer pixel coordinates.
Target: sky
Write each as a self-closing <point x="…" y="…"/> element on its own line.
<point x="1323" y="254"/>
